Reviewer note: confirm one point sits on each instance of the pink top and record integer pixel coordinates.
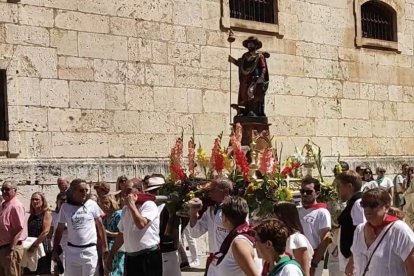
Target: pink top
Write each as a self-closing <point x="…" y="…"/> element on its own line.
<point x="12" y="220"/>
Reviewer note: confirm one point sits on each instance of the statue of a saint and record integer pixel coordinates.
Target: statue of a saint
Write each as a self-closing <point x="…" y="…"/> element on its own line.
<point x="253" y="78"/>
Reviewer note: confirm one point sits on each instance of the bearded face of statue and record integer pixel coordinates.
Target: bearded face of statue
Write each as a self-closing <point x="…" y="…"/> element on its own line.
<point x="251" y="46"/>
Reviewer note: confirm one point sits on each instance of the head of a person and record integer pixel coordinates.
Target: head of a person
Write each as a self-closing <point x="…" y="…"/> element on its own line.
<point x="38" y="203"/>
<point x="120" y="182"/>
<point x="310" y="190"/>
<point x="360" y="170"/>
<point x="108" y="204"/>
<point x="78" y="192"/>
<point x="342" y="166"/>
<point x="404" y="168"/>
<point x="380" y="172"/>
<point x="271" y="236"/>
<point x="367" y="175"/>
<point x="127" y="187"/>
<point x="154" y="183"/>
<point x="102" y="189"/>
<point x="60" y="199"/>
<point x="63" y="184"/>
<point x="375" y="203"/>
<point x="137" y="183"/>
<point x="220" y="188"/>
<point x="235" y="211"/>
<point x="347" y="184"/>
<point x="288" y="213"/>
<point x="9" y="190"/>
<point x="145" y="181"/>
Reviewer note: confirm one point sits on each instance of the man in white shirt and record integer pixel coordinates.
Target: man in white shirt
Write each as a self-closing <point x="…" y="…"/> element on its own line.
<point x="211" y="219"/>
<point x="139" y="232"/>
<point x="384" y="182"/>
<point x="316" y="222"/>
<point x="84" y="227"/>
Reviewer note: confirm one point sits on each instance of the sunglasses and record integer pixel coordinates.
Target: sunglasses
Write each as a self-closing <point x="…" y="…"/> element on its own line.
<point x="306" y="192"/>
<point x="371" y="205"/>
<point x="6" y="189"/>
<point x="368" y="172"/>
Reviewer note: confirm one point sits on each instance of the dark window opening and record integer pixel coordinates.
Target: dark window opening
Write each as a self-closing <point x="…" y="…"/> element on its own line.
<point x="378" y="21"/>
<point x="4" y="121"/>
<point x="254" y="10"/>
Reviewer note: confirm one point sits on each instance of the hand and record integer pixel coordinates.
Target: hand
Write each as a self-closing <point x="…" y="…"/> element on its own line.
<point x="108" y="262"/>
<point x="349" y="269"/>
<point x="130" y="200"/>
<point x="231" y="59"/>
<point x="32" y="248"/>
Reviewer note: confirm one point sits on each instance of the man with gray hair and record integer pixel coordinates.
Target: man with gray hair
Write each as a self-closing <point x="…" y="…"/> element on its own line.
<point x="63" y="184"/>
<point x="211" y="219"/>
<point x="13" y="230"/>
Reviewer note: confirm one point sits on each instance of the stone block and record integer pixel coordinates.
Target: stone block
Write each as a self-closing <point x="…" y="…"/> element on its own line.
<point x="159" y="74"/>
<point x="211" y="14"/>
<point x="106" y="71"/>
<point x="88" y="95"/>
<point x="355" y="109"/>
<point x="170" y="99"/>
<point x="329" y="52"/>
<point x="195" y="101"/>
<point x="64" y="119"/>
<point x="277" y="85"/>
<point x="367" y="91"/>
<point x="405" y="111"/>
<point x="54" y="93"/>
<point x="9" y="13"/>
<point x="329" y="88"/>
<point x="351" y="90"/>
<point x="80" y="145"/>
<point x="287" y="65"/>
<point x="27" y="118"/>
<point x="290" y="105"/>
<point x="36" y="16"/>
<point x="24" y="91"/>
<point x="116" y="145"/>
<point x="158" y="122"/>
<point x="115" y="96"/>
<point x="102" y="46"/>
<point x="326" y="127"/>
<point x="34" y="62"/>
<point x="159" y="52"/>
<point x="158" y="11"/>
<point x="83" y="22"/>
<point x="132" y="73"/>
<point x="73" y="68"/>
<point x="395" y="93"/>
<point x="123" y="26"/>
<point x="340" y="145"/>
<point x="216" y="101"/>
<point x="26" y="35"/>
<point x="217" y="38"/>
<point x="408" y="94"/>
<point x="197" y="78"/>
<point x="97" y="6"/>
<point x="154" y="30"/>
<point x="196" y="36"/>
<point x="184" y="54"/>
<point x="66" y="42"/>
<point x="292" y="126"/>
<point x="58" y="4"/>
<point x="308" y="49"/>
<point x="187" y="13"/>
<point x="318" y="68"/>
<point x="203" y="125"/>
<point x="138" y="145"/>
<point x="320" y="107"/>
<point x="381" y="92"/>
<point x="376" y="110"/>
<point x="97" y="121"/>
<point x="358" y="146"/>
<point x="355" y="128"/>
<point x="390" y="111"/>
<point x="139" y="98"/>
<point x="214" y="58"/>
<point x="300" y="86"/>
<point x="139" y="50"/>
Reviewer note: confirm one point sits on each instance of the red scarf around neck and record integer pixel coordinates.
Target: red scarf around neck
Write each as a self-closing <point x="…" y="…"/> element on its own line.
<point x="388" y="219"/>
<point x="243" y="229"/>
<point x="142" y="198"/>
<point x="317" y="205"/>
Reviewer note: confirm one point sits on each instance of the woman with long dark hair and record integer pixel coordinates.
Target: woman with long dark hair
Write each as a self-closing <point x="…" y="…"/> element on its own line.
<point x="38" y="226"/>
<point x="84" y="225"/>
<point x="297" y="245"/>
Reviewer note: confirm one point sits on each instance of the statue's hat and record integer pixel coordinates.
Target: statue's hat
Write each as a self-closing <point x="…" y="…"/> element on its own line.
<point x="253" y="39"/>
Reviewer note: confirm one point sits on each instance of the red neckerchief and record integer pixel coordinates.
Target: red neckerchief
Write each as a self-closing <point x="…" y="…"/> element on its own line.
<point x="388" y="219"/>
<point x="142" y="198"/>
<point x="317" y="205"/>
<point x="243" y="229"/>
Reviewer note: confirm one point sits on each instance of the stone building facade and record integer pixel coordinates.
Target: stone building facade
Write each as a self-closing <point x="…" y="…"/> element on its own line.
<point x="99" y="88"/>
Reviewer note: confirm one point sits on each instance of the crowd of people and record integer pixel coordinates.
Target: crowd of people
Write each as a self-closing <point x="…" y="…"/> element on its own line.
<point x="130" y="231"/>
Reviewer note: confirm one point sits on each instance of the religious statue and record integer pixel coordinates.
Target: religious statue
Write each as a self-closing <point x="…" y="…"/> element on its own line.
<point x="253" y="78"/>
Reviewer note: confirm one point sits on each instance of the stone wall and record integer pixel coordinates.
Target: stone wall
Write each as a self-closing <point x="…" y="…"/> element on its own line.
<point x="97" y="80"/>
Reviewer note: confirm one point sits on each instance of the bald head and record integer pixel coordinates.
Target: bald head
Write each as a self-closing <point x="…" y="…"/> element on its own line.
<point x="63" y="184"/>
<point x="9" y="189"/>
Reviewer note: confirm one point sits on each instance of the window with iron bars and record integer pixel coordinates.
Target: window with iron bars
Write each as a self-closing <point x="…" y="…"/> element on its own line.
<point x="4" y="121"/>
<point x="254" y="10"/>
<point x="378" y="21"/>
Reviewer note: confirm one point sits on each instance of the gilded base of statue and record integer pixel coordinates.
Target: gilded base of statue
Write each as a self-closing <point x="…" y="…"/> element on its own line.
<point x="250" y="124"/>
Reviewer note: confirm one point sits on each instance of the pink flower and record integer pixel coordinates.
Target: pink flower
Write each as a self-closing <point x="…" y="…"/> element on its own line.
<point x="266" y="161"/>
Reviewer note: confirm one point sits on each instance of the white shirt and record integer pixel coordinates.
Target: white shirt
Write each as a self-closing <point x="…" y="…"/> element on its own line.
<point x="213" y="224"/>
<point x="386" y="183"/>
<point x="390" y="255"/>
<point x="369" y="185"/>
<point x="296" y="241"/>
<point x="80" y="221"/>
<point x="313" y="220"/>
<point x="399" y="183"/>
<point x="139" y="239"/>
<point x="229" y="266"/>
<point x="358" y="217"/>
<point x="290" y="270"/>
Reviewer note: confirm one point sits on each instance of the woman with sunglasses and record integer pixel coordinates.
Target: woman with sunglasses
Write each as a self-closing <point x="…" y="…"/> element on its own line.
<point x="368" y="181"/>
<point x="383" y="245"/>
